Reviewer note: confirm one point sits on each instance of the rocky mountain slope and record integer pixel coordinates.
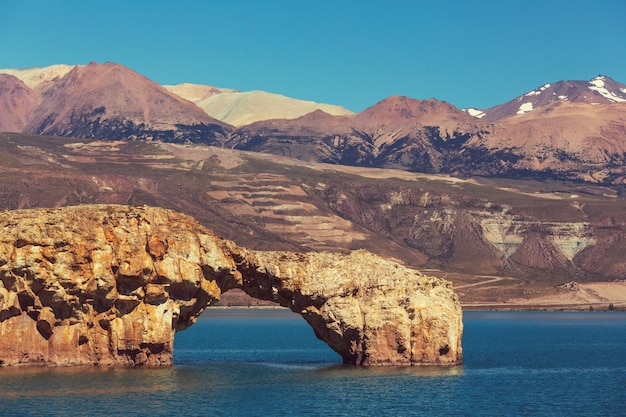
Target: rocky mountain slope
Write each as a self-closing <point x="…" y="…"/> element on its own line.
<point x="108" y="101"/>
<point x="398" y="132"/>
<point x="563" y="140"/>
<point x="531" y="236"/>
<point x="599" y="90"/>
<point x="17" y="104"/>
<point x="573" y="140"/>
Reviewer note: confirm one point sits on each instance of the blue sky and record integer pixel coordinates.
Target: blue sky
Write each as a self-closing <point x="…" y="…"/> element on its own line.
<point x="353" y="53"/>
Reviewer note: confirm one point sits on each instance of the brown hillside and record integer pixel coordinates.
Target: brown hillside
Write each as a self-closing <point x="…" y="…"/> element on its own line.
<point x="110" y="91"/>
<point x="17" y="104"/>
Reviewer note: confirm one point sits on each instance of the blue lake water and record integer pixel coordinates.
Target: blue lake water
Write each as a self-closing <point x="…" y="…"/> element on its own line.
<point x="269" y="363"/>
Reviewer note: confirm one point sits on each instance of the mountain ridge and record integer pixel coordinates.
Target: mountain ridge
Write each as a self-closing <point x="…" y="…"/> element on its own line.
<point x="544" y="133"/>
<point x="112" y="101"/>
<point x="240" y="108"/>
<point x="535" y="199"/>
<point x="599" y="90"/>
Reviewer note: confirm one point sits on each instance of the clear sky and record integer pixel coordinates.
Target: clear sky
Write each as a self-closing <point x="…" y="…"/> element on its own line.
<point x="475" y="53"/>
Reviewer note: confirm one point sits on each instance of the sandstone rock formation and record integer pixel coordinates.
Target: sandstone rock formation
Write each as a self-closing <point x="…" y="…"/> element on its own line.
<point x="369" y="310"/>
<point x="110" y="285"/>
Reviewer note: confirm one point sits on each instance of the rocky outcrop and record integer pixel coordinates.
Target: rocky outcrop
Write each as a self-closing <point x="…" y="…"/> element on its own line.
<point x="369" y="310"/>
<point x="110" y="285"/>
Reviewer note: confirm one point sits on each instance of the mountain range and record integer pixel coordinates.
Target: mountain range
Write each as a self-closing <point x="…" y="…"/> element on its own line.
<point x="567" y="130"/>
<point x="509" y="202"/>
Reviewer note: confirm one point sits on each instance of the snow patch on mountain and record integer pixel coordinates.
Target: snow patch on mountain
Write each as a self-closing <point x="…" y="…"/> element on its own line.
<point x="525" y="108"/>
<point x="475" y="112"/>
<point x="597" y="85"/>
<point x="536" y="92"/>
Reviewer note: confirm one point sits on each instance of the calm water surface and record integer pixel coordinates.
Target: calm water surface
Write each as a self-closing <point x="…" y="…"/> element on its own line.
<point x="269" y="363"/>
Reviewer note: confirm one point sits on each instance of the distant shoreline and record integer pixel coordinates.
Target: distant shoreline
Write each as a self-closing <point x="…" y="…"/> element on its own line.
<point x="542" y="307"/>
<point x="256" y="307"/>
<point x="471" y="307"/>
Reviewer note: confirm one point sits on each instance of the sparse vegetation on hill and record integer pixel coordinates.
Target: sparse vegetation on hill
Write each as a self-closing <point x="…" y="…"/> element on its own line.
<point x="537" y="234"/>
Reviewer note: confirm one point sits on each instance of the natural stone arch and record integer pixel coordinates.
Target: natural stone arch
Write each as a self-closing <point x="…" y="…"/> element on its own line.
<point x="111" y="285"/>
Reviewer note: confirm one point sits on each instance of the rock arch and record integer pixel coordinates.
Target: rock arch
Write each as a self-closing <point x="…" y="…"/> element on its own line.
<point x="110" y="285"/>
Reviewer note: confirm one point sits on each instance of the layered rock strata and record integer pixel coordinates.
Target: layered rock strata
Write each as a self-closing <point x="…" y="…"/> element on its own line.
<point x="110" y="285"/>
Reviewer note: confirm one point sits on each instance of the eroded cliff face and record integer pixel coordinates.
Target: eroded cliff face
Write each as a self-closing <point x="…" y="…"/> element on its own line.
<point x="543" y="237"/>
<point x="103" y="284"/>
<point x="110" y="285"/>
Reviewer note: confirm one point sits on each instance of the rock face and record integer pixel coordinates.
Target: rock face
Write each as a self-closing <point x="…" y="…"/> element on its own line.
<point x="110" y="285"/>
<point x="369" y="310"/>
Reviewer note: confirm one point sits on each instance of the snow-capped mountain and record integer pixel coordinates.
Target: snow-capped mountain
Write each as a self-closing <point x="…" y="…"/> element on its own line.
<point x="599" y="90"/>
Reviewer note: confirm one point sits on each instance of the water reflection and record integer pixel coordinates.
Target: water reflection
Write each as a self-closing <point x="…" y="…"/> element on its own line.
<point x="387" y="371"/>
<point x="84" y="381"/>
<point x="547" y="317"/>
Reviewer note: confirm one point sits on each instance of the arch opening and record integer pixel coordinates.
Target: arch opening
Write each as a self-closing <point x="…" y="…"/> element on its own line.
<point x="111" y="285"/>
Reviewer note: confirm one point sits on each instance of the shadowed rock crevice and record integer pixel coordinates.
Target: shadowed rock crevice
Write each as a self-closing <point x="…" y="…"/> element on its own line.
<point x="126" y="279"/>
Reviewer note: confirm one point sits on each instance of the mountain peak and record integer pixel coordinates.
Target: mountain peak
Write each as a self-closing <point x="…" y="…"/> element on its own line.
<point x="599" y="90"/>
<point x="608" y="88"/>
<point x="37" y="78"/>
<point x="88" y="99"/>
<point x="601" y="77"/>
<point x="398" y="109"/>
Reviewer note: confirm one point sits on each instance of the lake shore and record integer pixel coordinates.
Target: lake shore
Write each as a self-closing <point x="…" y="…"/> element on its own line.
<point x="594" y="296"/>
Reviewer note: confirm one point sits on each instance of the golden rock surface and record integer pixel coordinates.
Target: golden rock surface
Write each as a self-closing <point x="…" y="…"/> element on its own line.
<point x="110" y="285"/>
